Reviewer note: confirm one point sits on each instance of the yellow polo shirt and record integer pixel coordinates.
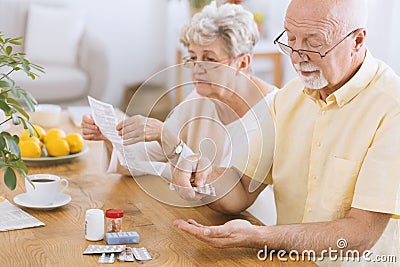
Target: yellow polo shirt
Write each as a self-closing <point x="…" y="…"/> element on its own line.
<point x="344" y="153"/>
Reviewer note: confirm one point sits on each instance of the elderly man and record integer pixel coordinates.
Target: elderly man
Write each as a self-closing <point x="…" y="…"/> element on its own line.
<point x="336" y="171"/>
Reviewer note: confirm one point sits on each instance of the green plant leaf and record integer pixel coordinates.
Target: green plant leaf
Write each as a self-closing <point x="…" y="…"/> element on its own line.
<point x="24" y="123"/>
<point x="15" y="42"/>
<point x="15" y="119"/>
<point x="12" y="144"/>
<point x="14" y="101"/>
<point x="6" y="108"/>
<point x="16" y="91"/>
<point x="4" y="84"/>
<point x="25" y="67"/>
<point x="38" y="67"/>
<point x="10" y="179"/>
<point x="17" y="106"/>
<point x="2" y="142"/>
<point x="2" y="164"/>
<point x="29" y="127"/>
<point x="27" y="97"/>
<point x="21" y="167"/>
<point x="9" y="50"/>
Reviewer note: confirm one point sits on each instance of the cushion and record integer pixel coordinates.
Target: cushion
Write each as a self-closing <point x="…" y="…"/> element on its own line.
<point x="58" y="84"/>
<point x="53" y="34"/>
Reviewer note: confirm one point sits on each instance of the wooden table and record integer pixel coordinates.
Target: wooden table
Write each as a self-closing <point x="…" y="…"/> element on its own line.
<point x="61" y="242"/>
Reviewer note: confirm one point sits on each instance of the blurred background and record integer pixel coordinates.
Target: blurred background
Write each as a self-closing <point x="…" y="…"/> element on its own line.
<point x="107" y="48"/>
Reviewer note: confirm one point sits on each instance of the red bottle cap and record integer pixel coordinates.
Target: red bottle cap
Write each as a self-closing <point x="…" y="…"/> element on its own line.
<point x="114" y="213"/>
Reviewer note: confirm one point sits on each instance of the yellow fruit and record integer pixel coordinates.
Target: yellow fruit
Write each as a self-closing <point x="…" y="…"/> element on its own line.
<point x="41" y="131"/>
<point x="26" y="133"/>
<point x="54" y="133"/>
<point x="57" y="147"/>
<point x="31" y="138"/>
<point x="75" y="142"/>
<point x="27" y="137"/>
<point x="30" y="149"/>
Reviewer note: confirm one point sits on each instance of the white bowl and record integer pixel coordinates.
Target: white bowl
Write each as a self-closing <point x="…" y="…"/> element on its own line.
<point x="46" y="115"/>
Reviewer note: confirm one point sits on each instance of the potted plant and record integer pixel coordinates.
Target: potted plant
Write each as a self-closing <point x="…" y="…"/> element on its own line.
<point x="13" y="101"/>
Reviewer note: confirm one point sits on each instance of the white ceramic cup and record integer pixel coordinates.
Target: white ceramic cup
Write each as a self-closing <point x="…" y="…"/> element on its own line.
<point x="45" y="189"/>
<point x="46" y="115"/>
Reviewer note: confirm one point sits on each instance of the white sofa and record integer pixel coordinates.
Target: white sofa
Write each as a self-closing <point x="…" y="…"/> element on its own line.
<point x="75" y="62"/>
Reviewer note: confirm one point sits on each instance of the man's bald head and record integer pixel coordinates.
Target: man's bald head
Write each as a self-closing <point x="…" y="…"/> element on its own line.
<point x="343" y="15"/>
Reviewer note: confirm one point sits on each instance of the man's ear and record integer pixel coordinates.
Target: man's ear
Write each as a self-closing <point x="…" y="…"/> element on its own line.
<point x="360" y="39"/>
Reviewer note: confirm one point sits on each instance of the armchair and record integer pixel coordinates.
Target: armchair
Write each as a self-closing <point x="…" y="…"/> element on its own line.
<point x="75" y="61"/>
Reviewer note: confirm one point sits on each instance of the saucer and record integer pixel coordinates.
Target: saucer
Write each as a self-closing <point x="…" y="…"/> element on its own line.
<point x="24" y="201"/>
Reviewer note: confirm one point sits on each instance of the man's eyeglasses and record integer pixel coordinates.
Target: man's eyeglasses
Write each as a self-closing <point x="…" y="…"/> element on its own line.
<point x="288" y="50"/>
<point x="189" y="63"/>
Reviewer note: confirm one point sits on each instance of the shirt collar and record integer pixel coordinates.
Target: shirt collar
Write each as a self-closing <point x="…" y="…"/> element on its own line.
<point x="353" y="87"/>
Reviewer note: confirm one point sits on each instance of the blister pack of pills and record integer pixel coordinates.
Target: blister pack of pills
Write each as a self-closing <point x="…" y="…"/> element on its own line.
<point x="207" y="189"/>
<point x="98" y="249"/>
<point x="106" y="258"/>
<point x="126" y="255"/>
<point x="141" y="254"/>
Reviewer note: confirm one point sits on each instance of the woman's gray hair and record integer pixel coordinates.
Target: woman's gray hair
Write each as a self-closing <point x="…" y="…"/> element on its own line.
<point x="232" y="23"/>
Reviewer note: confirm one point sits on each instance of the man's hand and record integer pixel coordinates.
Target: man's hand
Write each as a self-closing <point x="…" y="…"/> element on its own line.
<point x="140" y="129"/>
<point x="90" y="131"/>
<point x="235" y="233"/>
<point x="360" y="228"/>
<point x="191" y="172"/>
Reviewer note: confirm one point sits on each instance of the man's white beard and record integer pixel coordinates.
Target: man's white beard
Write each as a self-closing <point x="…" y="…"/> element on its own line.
<point x="311" y="82"/>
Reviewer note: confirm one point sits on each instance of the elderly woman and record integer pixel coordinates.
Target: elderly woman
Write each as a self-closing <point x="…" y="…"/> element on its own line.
<point x="219" y="116"/>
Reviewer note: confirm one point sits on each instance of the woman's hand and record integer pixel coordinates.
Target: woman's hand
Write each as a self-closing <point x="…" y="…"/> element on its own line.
<point x="140" y="129"/>
<point x="90" y="131"/>
<point x="192" y="171"/>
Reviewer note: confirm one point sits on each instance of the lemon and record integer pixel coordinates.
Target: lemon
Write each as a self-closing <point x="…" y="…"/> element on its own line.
<point x="30" y="149"/>
<point x="41" y="132"/>
<point x="57" y="147"/>
<point x="27" y="137"/>
<point x="54" y="133"/>
<point x="75" y="142"/>
<point x="26" y="133"/>
<point x="31" y="138"/>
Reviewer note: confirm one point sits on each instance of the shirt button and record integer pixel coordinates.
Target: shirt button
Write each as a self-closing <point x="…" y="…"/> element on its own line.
<point x="318" y="144"/>
<point x="309" y="209"/>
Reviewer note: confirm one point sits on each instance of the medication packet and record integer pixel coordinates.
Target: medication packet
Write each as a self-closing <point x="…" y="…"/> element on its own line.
<point x="97" y="249"/>
<point x="207" y="189"/>
<point x="126" y="255"/>
<point x="107" y="258"/>
<point x="141" y="254"/>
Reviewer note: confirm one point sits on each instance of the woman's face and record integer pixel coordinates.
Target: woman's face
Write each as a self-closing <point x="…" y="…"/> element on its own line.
<point x="213" y="72"/>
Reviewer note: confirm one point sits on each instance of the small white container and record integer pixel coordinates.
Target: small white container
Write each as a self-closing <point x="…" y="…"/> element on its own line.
<point x="94" y="225"/>
<point x="46" y="115"/>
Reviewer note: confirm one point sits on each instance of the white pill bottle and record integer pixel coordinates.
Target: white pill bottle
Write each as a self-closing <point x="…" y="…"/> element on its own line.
<point x="94" y="224"/>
